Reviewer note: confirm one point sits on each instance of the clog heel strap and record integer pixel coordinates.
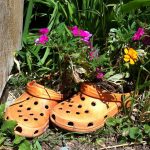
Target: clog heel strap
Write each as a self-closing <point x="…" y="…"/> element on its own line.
<point x="96" y="92"/>
<point x="40" y="91"/>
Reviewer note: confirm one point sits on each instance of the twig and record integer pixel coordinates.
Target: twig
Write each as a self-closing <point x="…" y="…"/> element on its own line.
<point x="122" y="145"/>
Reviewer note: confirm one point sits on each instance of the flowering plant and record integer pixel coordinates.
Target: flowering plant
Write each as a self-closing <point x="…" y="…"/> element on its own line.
<point x="66" y="55"/>
<point x="131" y="55"/>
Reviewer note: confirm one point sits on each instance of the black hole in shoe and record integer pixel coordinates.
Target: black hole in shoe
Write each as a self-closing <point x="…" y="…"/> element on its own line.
<point x="35" y="119"/>
<point x="35" y="103"/>
<point x="46" y="106"/>
<point x="19" y="110"/>
<point x="67" y="111"/>
<point x="25" y="119"/>
<point x="41" y="114"/>
<point x="27" y="98"/>
<point x="86" y="111"/>
<point x="93" y="104"/>
<point x="82" y="98"/>
<point x="36" y="131"/>
<point x="19" y="129"/>
<point x="79" y="106"/>
<point x="105" y="116"/>
<point x="78" y="113"/>
<point x="31" y="114"/>
<point x="70" y="123"/>
<point x="60" y="108"/>
<point x="20" y="105"/>
<point x="20" y="115"/>
<point x="53" y="116"/>
<point x="70" y="105"/>
<point x="90" y="124"/>
<point x="28" y="108"/>
<point x="7" y="118"/>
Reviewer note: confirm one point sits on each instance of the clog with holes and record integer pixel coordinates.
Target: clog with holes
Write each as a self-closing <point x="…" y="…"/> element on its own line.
<point x="88" y="110"/>
<point x="32" y="109"/>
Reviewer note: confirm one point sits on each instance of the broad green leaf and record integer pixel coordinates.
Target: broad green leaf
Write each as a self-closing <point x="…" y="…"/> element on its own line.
<point x="38" y="146"/>
<point x="108" y="74"/>
<point x="111" y="122"/>
<point x="25" y="145"/>
<point x="8" y="126"/>
<point x="116" y="78"/>
<point x="134" y="133"/>
<point x="18" y="139"/>
<point x="147" y="128"/>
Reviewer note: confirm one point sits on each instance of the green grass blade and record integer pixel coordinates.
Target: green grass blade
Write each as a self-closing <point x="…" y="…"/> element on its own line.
<point x="27" y="20"/>
<point x="46" y="54"/>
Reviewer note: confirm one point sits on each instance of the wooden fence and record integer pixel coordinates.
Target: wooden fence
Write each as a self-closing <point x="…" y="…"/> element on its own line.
<point x="11" y="18"/>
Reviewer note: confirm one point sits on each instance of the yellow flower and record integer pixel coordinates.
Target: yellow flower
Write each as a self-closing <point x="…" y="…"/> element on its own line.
<point x="130" y="56"/>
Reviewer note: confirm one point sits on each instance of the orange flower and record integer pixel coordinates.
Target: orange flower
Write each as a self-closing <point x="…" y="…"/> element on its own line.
<point x="130" y="56"/>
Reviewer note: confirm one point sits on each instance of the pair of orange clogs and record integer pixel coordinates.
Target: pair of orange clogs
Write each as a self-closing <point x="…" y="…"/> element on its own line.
<point x="84" y="112"/>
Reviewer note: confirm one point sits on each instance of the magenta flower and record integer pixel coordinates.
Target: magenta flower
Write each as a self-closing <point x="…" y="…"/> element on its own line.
<point x="85" y="35"/>
<point x="138" y="34"/>
<point x="43" y="39"/>
<point x="44" y="31"/>
<point x="100" y="75"/>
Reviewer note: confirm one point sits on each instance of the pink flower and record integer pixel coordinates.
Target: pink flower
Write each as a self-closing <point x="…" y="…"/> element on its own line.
<point x="85" y="35"/>
<point x="44" y="31"/>
<point x="100" y="75"/>
<point x="138" y="34"/>
<point x="42" y="40"/>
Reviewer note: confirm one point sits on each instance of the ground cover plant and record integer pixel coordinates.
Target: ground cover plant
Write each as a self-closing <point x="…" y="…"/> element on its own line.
<point x="107" y="43"/>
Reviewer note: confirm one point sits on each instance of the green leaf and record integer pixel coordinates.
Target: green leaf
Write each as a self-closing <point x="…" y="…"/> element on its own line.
<point x="46" y="54"/>
<point x="134" y="132"/>
<point x="8" y="126"/>
<point x="29" y="60"/>
<point x="2" y="139"/>
<point x="27" y="20"/>
<point x="147" y="128"/>
<point x="108" y="74"/>
<point x="2" y="108"/>
<point x="111" y="122"/>
<point x="37" y="145"/>
<point x="116" y="78"/>
<point x="18" y="139"/>
<point x="134" y="4"/>
<point x="25" y="145"/>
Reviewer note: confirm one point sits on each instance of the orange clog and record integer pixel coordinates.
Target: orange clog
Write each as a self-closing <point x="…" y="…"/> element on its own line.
<point x="88" y="110"/>
<point x="32" y="109"/>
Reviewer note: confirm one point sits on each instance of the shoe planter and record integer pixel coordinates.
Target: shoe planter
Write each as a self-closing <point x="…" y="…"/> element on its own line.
<point x="32" y="109"/>
<point x="88" y="110"/>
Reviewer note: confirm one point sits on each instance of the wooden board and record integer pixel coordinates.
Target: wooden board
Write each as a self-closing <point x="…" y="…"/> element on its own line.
<point x="11" y="20"/>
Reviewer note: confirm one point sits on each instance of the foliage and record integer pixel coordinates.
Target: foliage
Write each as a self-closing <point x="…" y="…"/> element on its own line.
<point x="7" y="133"/>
